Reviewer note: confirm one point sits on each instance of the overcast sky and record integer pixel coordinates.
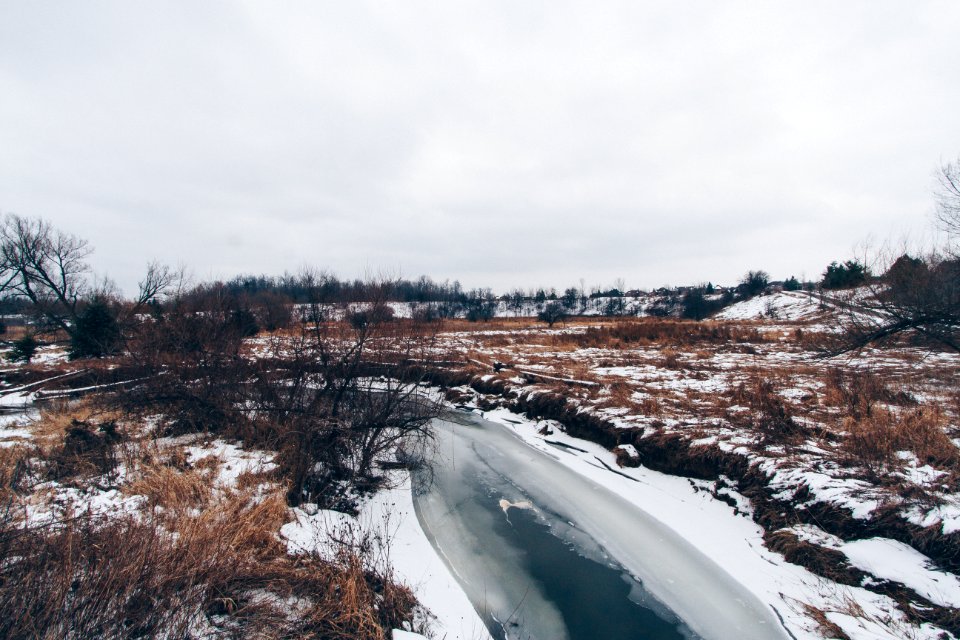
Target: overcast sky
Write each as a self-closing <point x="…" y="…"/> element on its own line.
<point x="499" y="143"/>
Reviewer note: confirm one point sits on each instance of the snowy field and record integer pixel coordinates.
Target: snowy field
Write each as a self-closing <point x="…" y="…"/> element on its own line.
<point x="738" y="435"/>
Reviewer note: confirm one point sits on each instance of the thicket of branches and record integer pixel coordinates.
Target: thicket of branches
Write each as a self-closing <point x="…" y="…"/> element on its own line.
<point x="333" y="391"/>
<point x="917" y="297"/>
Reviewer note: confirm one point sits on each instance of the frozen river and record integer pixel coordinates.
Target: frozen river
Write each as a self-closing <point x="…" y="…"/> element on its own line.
<point x="545" y="553"/>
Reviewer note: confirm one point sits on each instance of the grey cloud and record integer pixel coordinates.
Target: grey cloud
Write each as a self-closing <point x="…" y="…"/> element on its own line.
<point x="503" y="144"/>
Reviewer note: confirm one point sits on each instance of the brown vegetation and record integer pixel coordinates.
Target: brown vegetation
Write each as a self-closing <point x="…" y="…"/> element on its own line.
<point x="874" y="439"/>
<point x="118" y="577"/>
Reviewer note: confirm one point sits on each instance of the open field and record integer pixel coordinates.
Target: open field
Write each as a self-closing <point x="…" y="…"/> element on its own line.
<point x="849" y="464"/>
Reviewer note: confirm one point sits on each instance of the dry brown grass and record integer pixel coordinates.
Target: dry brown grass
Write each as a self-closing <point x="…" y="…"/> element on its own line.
<point x="826" y="627"/>
<point x="55" y="419"/>
<point x="170" y="487"/>
<point x="194" y="556"/>
<point x="857" y="391"/>
<point x="15" y="467"/>
<point x="671" y="359"/>
<point x="496" y="324"/>
<point x="650" y="406"/>
<point x="218" y="561"/>
<point x="621" y="393"/>
<point x="608" y="333"/>
<point x="630" y="332"/>
<point x="873" y="440"/>
<point x="16" y="332"/>
<point x="769" y="417"/>
<point x="122" y="577"/>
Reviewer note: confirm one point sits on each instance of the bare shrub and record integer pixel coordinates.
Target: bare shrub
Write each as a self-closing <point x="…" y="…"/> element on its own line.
<point x="769" y="416"/>
<point x="88" y="450"/>
<point x="333" y="397"/>
<point x="192" y="366"/>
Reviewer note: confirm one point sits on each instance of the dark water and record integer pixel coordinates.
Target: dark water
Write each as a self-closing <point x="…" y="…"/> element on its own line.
<point x="594" y="598"/>
<point x="590" y="595"/>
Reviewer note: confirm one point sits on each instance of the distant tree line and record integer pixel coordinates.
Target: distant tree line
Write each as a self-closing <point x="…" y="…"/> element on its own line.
<point x="44" y="273"/>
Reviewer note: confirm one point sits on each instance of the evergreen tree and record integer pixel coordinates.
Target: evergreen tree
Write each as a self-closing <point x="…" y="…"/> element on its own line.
<point x="97" y="332"/>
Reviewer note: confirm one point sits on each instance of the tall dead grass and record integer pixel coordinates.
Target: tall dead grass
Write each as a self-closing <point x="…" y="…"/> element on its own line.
<point x="170" y="487"/>
<point x="873" y="440"/>
<point x="126" y="577"/>
<point x="769" y="416"/>
<point x="194" y="561"/>
<point x="858" y="391"/>
<point x="658" y="331"/>
<point x="50" y="427"/>
<point x="16" y="466"/>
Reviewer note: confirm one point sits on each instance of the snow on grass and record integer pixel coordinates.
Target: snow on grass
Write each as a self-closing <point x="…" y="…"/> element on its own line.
<point x="629" y="450"/>
<point x="816" y="535"/>
<point x="898" y="562"/>
<point x="916" y="473"/>
<point x="891" y="560"/>
<point x="858" y="496"/>
<point x="946" y="514"/>
<point x="642" y="372"/>
<point x="17" y="399"/>
<point x="58" y="502"/>
<point x="782" y="305"/>
<point x="50" y="354"/>
<point x="12" y="429"/>
<point x="234" y="460"/>
<point x="389" y="517"/>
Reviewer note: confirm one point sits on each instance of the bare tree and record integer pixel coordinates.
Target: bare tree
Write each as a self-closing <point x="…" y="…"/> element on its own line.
<point x="552" y="313"/>
<point x="46" y="266"/>
<point x="158" y="279"/>
<point x="915" y="296"/>
<point x="49" y="268"/>
<point x="948" y="196"/>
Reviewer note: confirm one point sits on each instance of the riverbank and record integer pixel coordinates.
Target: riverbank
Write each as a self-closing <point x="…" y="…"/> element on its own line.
<point x="830" y="456"/>
<point x="730" y="538"/>
<point x="387" y="522"/>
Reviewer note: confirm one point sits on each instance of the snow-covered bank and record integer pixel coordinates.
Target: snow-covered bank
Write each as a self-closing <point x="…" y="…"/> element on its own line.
<point x="388" y="518"/>
<point x="781" y="305"/>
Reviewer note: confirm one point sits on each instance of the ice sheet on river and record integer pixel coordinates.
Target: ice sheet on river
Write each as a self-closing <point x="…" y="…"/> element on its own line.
<point x="600" y="523"/>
